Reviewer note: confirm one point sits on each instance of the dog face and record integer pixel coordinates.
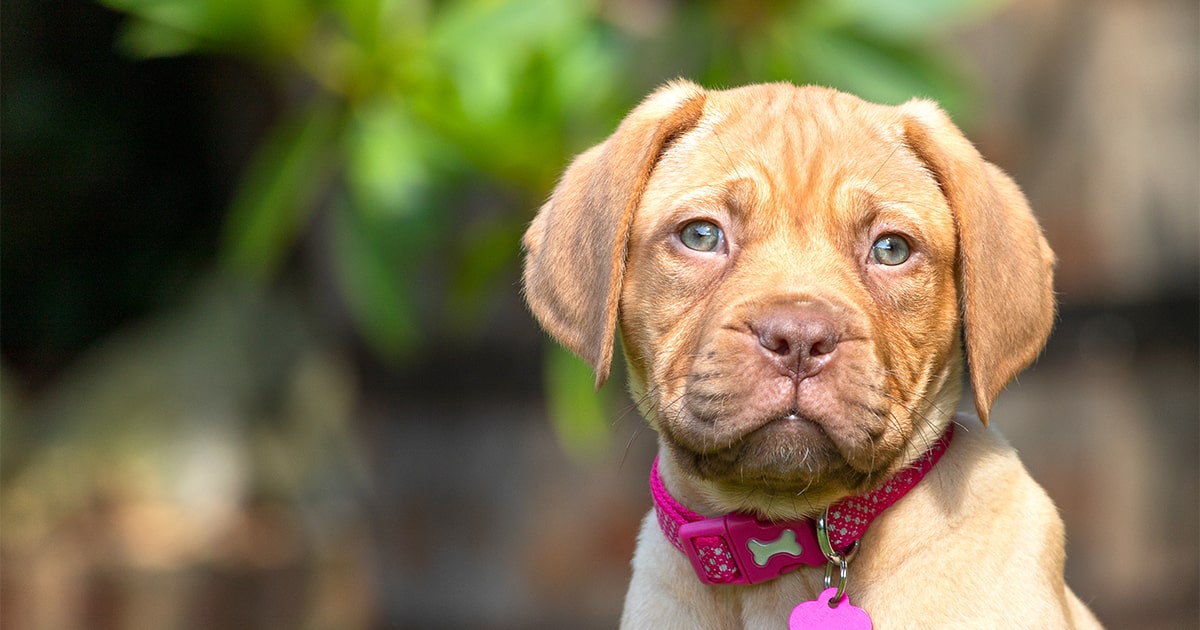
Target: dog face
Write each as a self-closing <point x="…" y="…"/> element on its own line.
<point x="789" y="294"/>
<point x="791" y="269"/>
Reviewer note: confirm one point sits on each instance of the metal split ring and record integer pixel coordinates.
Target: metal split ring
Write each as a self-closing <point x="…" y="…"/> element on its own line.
<point x="841" y="586"/>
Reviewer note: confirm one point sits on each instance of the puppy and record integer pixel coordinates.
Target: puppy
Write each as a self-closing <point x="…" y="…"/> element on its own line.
<point x="800" y="279"/>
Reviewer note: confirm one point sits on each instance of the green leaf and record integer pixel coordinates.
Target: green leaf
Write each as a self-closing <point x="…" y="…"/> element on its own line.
<point x="389" y="159"/>
<point x="291" y="170"/>
<point x="486" y="45"/>
<point x="585" y="70"/>
<point x="377" y="275"/>
<point x="192" y="16"/>
<point x="373" y="22"/>
<point x="263" y="28"/>
<point x="879" y="72"/>
<point x="146" y="39"/>
<point x="577" y="410"/>
<point x="908" y="19"/>
<point x="488" y="249"/>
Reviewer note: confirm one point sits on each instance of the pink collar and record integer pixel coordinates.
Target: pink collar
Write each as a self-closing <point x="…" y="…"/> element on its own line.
<point x="740" y="549"/>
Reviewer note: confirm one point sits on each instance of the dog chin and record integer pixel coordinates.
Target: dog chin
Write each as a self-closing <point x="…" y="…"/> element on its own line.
<point x="786" y="454"/>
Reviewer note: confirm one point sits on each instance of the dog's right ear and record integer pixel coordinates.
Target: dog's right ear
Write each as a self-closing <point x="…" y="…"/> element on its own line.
<point x="575" y="247"/>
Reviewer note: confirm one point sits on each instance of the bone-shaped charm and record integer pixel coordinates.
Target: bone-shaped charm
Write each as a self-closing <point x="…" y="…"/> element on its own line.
<point x="786" y="543"/>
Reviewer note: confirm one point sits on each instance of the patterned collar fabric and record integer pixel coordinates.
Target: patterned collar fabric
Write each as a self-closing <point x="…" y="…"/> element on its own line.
<point x="738" y="548"/>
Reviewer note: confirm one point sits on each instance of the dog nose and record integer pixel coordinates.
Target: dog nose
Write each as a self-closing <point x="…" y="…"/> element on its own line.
<point x="800" y="340"/>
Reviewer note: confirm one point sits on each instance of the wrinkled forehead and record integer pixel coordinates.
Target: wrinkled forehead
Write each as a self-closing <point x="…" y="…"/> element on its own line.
<point x="803" y="140"/>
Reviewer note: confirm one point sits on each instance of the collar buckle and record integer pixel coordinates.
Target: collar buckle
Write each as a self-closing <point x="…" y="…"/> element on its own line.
<point x="740" y="549"/>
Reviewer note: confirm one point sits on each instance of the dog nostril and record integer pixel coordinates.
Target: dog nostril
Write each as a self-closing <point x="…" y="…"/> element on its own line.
<point x="775" y="343"/>
<point x="795" y="338"/>
<point x="824" y="345"/>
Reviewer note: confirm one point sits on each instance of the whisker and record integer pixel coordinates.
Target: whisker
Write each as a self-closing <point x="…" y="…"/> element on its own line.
<point x="871" y="179"/>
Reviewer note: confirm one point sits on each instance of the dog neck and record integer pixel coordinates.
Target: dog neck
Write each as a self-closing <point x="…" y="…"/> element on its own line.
<point x="739" y="548"/>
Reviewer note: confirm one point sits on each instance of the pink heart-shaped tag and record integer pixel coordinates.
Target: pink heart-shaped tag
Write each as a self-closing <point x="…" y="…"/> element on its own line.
<point x="818" y="614"/>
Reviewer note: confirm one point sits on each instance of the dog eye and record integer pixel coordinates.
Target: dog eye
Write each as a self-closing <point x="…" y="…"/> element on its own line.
<point x="890" y="250"/>
<point x="702" y="236"/>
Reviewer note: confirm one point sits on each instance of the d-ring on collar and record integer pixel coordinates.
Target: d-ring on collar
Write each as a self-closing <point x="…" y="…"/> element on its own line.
<point x="840" y="558"/>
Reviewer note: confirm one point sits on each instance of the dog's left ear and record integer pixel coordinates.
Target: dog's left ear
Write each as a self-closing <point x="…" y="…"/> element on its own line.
<point x="575" y="247"/>
<point x="1004" y="266"/>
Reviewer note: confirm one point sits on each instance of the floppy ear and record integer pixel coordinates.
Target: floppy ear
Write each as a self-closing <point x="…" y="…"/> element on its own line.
<point x="575" y="247"/>
<point x="1004" y="266"/>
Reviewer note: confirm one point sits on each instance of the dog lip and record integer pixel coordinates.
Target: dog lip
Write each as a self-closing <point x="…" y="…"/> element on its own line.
<point x="789" y="423"/>
<point x="792" y="417"/>
<point x="747" y="431"/>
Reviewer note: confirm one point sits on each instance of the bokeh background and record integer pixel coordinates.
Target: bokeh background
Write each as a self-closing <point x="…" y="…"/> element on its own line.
<point x="264" y="360"/>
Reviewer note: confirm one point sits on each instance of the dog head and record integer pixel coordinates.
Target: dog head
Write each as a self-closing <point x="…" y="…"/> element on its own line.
<point x="797" y="275"/>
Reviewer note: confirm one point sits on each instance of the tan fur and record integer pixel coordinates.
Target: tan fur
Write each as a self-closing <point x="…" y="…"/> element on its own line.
<point x="788" y="368"/>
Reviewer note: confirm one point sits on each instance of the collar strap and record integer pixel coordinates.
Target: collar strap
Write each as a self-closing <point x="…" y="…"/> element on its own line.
<point x="740" y="549"/>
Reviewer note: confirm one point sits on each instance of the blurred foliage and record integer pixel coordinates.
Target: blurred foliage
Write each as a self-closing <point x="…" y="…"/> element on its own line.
<point x="397" y="109"/>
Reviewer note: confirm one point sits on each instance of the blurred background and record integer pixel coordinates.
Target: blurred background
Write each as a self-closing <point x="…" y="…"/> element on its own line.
<point x="264" y="360"/>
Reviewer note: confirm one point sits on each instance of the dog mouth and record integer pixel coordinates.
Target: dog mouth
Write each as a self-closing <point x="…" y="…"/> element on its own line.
<point x="789" y="452"/>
